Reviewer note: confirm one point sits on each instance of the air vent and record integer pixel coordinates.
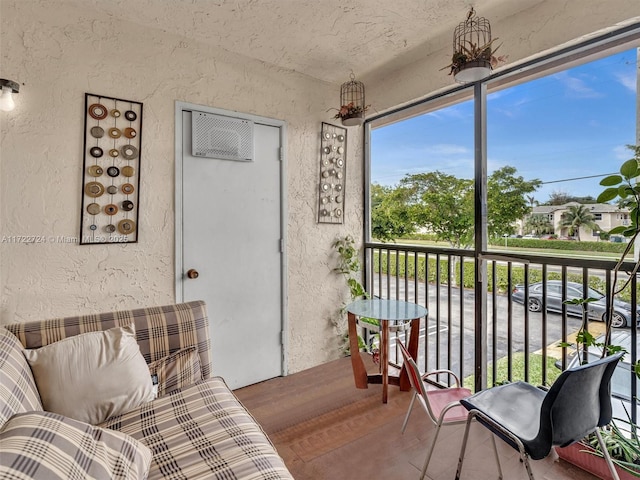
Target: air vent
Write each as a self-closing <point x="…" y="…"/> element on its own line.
<point x="224" y="138"/>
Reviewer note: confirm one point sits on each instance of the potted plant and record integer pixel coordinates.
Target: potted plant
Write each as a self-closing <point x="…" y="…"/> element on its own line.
<point x="622" y="444"/>
<point x="621" y="441"/>
<point x="478" y="59"/>
<point x="349" y="266"/>
<point x="351" y="114"/>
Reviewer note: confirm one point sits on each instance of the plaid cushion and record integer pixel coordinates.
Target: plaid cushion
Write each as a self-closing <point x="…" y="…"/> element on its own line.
<point x="18" y="392"/>
<point x="202" y="432"/>
<point x="43" y="445"/>
<point x="160" y="331"/>
<point x="178" y="370"/>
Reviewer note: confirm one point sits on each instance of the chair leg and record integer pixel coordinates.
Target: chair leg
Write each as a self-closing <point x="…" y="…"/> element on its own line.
<point x="431" y="448"/>
<point x="406" y="417"/>
<point x="464" y="444"/>
<point x="525" y="460"/>
<point x="607" y="457"/>
<point x="495" y="451"/>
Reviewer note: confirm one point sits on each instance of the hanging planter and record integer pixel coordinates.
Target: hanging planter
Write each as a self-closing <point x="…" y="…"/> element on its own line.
<point x="352" y="106"/>
<point x="473" y="51"/>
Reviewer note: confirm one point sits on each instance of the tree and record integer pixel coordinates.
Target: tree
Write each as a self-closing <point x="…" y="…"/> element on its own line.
<point x="390" y="217"/>
<point x="578" y="216"/>
<point x="507" y="200"/>
<point x="538" y="224"/>
<point x="442" y="204"/>
<point x="562" y="198"/>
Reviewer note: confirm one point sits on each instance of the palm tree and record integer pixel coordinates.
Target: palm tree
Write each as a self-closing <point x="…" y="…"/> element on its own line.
<point x="578" y="216"/>
<point x="538" y="224"/>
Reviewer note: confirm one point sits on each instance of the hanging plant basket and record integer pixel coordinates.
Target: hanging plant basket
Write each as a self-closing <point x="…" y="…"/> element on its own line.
<point x="352" y="107"/>
<point x="353" y="119"/>
<point x="473" y="50"/>
<point x="472" y="71"/>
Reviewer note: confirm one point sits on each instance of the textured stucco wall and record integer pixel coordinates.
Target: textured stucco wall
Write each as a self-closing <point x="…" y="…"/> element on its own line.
<point x="542" y="27"/>
<point x="59" y="52"/>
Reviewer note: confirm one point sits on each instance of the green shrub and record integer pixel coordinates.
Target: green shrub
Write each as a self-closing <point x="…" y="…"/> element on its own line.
<point x="609" y="247"/>
<point x="397" y="267"/>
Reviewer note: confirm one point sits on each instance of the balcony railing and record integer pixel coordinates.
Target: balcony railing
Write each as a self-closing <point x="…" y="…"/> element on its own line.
<point x="520" y="344"/>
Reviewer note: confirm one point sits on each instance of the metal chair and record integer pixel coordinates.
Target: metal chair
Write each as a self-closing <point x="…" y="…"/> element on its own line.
<point x="532" y="420"/>
<point x="441" y="404"/>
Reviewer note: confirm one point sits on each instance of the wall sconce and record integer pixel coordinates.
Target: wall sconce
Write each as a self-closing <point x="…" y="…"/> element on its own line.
<point x="9" y="87"/>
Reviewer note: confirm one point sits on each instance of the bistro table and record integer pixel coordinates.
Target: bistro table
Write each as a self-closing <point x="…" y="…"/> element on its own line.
<point x="391" y="315"/>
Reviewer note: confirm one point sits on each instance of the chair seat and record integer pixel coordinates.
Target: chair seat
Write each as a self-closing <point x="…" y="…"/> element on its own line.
<point x="508" y="405"/>
<point x="439" y="399"/>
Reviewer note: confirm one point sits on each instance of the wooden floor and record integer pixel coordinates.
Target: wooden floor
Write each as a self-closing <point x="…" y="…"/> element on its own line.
<point x="326" y="429"/>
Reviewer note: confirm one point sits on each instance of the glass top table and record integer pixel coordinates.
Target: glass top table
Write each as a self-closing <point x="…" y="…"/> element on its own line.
<point x="386" y="312"/>
<point x="386" y="309"/>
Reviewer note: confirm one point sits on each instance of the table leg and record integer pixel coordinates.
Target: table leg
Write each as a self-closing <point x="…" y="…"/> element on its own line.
<point x="357" y="365"/>
<point x="412" y="346"/>
<point x="384" y="357"/>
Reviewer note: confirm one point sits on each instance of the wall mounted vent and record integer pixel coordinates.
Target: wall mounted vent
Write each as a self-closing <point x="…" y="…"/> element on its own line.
<point x="225" y="138"/>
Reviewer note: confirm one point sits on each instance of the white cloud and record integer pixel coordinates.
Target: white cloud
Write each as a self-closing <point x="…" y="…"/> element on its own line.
<point x="392" y="164"/>
<point x="622" y="153"/>
<point x="576" y="87"/>
<point x="627" y="80"/>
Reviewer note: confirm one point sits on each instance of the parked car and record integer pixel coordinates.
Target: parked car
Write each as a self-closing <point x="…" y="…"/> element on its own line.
<point x="621" y="379"/>
<point x="621" y="310"/>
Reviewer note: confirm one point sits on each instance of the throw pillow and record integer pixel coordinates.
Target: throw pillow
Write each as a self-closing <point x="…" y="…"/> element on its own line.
<point x="92" y="376"/>
<point x="18" y="391"/>
<point x="178" y="370"/>
<point x="47" y="446"/>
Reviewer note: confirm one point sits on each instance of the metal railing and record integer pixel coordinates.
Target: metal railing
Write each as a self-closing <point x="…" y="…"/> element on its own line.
<point x="521" y="344"/>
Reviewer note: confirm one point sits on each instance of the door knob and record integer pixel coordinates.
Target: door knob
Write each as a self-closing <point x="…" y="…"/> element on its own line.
<point x="192" y="273"/>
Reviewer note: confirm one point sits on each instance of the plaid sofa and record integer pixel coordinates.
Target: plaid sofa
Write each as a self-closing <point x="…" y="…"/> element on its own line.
<point x="197" y="431"/>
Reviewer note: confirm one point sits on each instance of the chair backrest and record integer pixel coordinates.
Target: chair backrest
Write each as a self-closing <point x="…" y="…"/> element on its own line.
<point x="578" y="402"/>
<point x="415" y="378"/>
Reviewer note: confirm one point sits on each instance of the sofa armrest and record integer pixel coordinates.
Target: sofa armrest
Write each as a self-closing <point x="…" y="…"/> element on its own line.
<point x="160" y="331"/>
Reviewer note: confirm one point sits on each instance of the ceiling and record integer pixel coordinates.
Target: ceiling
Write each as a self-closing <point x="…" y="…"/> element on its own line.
<point x="324" y="39"/>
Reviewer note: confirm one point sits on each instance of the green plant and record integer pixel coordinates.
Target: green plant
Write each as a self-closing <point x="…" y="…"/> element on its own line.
<point x="348" y="264"/>
<point x="622" y="444"/>
<point x="624" y="449"/>
<point x="625" y="188"/>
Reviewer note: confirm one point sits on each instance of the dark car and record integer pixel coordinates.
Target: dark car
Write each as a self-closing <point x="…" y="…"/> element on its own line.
<point x="621" y="379"/>
<point x="621" y="310"/>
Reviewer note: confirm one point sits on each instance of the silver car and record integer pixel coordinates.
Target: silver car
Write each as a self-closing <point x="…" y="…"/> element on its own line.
<point x="621" y="310"/>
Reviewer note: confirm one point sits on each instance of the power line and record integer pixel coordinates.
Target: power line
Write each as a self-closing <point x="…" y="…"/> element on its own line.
<point x="577" y="178"/>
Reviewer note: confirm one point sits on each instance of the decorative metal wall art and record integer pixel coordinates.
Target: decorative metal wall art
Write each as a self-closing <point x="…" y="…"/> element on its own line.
<point x="111" y="170"/>
<point x="333" y="172"/>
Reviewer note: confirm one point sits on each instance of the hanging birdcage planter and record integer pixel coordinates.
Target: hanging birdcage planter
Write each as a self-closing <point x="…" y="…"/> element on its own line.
<point x="352" y="106"/>
<point x="473" y="51"/>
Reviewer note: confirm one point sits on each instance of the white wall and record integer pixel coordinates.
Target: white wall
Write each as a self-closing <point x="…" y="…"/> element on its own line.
<point x="60" y="52"/>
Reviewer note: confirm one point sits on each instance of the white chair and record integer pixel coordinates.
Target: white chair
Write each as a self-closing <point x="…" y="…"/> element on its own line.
<point x="441" y="404"/>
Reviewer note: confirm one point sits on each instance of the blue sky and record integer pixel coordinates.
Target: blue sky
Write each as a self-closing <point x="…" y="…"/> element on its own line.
<point x="573" y="123"/>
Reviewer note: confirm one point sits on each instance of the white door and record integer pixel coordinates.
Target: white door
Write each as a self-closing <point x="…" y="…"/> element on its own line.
<point x="232" y="236"/>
